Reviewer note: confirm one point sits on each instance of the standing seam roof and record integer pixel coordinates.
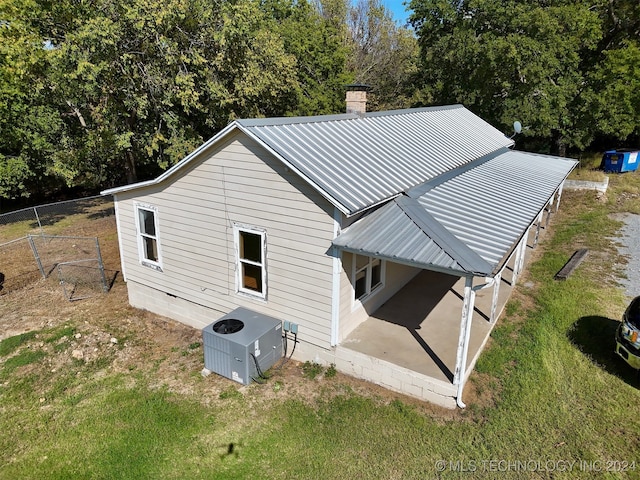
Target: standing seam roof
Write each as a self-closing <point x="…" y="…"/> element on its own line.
<point x="471" y="220"/>
<point x="361" y="161"/>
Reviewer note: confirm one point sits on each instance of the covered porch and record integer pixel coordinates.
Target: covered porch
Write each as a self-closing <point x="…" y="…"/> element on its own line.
<point x="469" y="231"/>
<point x="418" y="328"/>
<point x="413" y="343"/>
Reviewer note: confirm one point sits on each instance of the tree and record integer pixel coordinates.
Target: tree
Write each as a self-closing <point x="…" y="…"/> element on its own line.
<point x="134" y="86"/>
<point x="315" y="37"/>
<point x="383" y="55"/>
<point x="30" y="126"/>
<point x="540" y="62"/>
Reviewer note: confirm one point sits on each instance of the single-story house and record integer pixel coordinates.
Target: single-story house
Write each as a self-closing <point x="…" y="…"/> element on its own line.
<point x="375" y="234"/>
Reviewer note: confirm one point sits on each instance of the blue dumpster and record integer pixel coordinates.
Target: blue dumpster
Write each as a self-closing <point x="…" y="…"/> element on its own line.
<point x="620" y="160"/>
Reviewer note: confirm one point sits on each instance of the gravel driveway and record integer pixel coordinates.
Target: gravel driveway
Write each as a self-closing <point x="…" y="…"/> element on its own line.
<point x="630" y="247"/>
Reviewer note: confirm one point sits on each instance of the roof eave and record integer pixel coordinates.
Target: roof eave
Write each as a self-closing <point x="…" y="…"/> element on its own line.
<point x="178" y="166"/>
<point x="424" y="266"/>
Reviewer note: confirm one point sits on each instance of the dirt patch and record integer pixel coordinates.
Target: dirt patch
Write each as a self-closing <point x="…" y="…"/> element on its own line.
<point x="132" y="342"/>
<point x="109" y="333"/>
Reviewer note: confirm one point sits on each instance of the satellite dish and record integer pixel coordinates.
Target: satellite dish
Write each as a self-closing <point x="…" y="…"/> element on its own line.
<point x="517" y="126"/>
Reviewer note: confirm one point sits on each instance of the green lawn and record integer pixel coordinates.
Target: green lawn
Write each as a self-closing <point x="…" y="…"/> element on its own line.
<point x="552" y="400"/>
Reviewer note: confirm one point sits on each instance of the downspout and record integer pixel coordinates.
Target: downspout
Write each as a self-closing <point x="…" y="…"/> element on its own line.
<point x="335" y="281"/>
<point x="465" y="332"/>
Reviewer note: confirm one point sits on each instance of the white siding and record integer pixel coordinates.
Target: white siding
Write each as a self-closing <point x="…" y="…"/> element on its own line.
<point x="236" y="181"/>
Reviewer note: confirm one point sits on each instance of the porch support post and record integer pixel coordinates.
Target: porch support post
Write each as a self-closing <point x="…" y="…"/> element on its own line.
<point x="335" y="281"/>
<point x="494" y="301"/>
<point x="522" y="251"/>
<point x="463" y="338"/>
<point x="516" y="262"/>
<point x="555" y="198"/>
<point x="559" y="195"/>
<point x="538" y="222"/>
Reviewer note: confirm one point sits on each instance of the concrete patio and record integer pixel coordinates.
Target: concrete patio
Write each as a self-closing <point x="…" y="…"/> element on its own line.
<point x="418" y="327"/>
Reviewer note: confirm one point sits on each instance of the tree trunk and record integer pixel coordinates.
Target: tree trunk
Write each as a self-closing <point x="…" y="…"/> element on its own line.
<point x="559" y="145"/>
<point x="130" y="168"/>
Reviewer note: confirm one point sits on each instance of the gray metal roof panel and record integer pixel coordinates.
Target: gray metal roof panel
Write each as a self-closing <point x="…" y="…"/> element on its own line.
<point x="489" y="207"/>
<point x="389" y="233"/>
<point x="359" y="162"/>
<point x="482" y="211"/>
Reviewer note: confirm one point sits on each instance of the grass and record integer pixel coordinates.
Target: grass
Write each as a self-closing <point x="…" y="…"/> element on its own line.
<point x="549" y="392"/>
<point x="588" y="168"/>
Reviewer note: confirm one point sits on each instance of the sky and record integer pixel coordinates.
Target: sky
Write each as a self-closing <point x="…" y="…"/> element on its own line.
<point x="397" y="9"/>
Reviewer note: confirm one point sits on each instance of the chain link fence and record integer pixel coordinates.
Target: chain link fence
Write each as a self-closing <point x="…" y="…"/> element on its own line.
<point x="51" y="239"/>
<point x="45" y="218"/>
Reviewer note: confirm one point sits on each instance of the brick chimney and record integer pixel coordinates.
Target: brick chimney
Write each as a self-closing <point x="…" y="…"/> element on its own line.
<point x="357" y="98"/>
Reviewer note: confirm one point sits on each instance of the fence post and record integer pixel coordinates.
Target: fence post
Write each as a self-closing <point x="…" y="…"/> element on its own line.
<point x="105" y="288"/>
<point x="35" y="254"/>
<point x="35" y="211"/>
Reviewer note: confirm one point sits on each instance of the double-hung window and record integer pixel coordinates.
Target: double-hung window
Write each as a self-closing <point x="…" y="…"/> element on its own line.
<point x="251" y="254"/>
<point x="148" y="236"/>
<point x="368" y="275"/>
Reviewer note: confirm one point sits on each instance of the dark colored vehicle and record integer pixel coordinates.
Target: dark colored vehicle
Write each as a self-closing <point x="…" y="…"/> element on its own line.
<point x="628" y="335"/>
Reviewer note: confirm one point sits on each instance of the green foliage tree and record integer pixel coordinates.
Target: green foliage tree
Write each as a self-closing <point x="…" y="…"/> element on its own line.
<point x="317" y="39"/>
<point x="383" y="55"/>
<point x="30" y="126"/>
<point x="553" y="65"/>
<point x="137" y="85"/>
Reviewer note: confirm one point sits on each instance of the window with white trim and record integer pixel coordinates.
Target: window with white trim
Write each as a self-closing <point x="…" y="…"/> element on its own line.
<point x="368" y="275"/>
<point x="148" y="235"/>
<point x="251" y="254"/>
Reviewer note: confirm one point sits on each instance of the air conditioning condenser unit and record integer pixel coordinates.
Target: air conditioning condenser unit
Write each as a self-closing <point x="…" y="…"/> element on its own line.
<point x="242" y="344"/>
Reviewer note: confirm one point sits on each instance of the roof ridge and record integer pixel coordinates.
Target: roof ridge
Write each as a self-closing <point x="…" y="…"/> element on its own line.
<point x="277" y="121"/>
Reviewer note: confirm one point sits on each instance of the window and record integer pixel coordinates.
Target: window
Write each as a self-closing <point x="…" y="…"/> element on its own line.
<point x="368" y="275"/>
<point x="251" y="269"/>
<point x="148" y="236"/>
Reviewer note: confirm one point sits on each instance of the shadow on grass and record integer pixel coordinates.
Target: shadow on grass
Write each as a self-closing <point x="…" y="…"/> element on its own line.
<point x="595" y="337"/>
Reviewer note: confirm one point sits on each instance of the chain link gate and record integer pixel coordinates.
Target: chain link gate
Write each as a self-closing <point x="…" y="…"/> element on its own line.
<point x="78" y="262"/>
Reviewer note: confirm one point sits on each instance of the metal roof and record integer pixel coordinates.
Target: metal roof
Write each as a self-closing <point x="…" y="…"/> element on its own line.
<point x="357" y="162"/>
<point x="360" y="161"/>
<point x="465" y="221"/>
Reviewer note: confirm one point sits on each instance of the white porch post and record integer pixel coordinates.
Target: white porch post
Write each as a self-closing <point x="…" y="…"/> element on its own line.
<point x="494" y="301"/>
<point x="516" y="258"/>
<point x="335" y="287"/>
<point x="559" y="196"/>
<point x="538" y="222"/>
<point x="523" y="251"/>
<point x="463" y="339"/>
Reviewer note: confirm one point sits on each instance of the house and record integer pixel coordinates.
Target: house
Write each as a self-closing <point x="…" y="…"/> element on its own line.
<point x="378" y="234"/>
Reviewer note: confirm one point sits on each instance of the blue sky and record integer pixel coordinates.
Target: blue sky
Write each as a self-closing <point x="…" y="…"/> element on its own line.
<point x="397" y="9"/>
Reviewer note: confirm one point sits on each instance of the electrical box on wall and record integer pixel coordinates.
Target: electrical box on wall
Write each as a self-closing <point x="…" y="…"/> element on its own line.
<point x="242" y="343"/>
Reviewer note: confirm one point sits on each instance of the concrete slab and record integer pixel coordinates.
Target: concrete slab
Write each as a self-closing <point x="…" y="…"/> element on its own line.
<point x="418" y="328"/>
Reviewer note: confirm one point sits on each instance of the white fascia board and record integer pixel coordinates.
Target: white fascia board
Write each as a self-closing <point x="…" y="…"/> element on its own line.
<point x="178" y="166"/>
<point x="294" y="169"/>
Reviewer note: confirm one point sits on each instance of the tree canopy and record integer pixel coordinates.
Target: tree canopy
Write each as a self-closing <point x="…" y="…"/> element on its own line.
<point x="95" y="93"/>
<point x="565" y="69"/>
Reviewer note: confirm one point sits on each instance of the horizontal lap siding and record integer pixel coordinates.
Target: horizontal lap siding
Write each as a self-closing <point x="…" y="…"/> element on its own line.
<point x="196" y="211"/>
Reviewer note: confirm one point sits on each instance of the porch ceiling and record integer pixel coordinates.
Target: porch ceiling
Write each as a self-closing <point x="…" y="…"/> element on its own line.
<point x="465" y="222"/>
